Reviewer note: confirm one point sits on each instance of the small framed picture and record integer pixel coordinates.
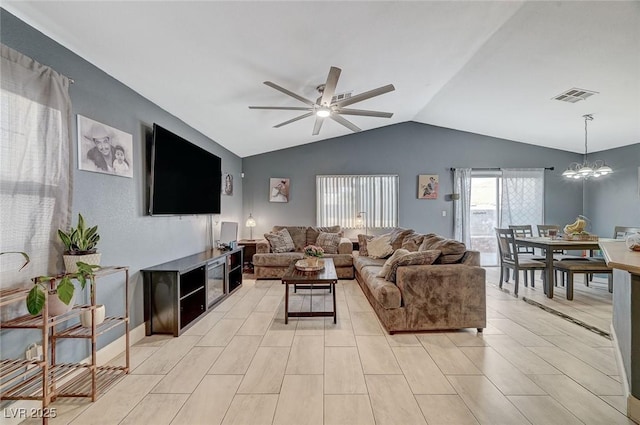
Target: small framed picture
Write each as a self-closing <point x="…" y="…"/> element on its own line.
<point x="428" y="186"/>
<point x="227" y="184"/>
<point x="279" y="189"/>
<point x="104" y="149"/>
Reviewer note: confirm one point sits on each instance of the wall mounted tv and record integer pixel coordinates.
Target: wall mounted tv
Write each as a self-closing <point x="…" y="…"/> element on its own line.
<point x="185" y="179"/>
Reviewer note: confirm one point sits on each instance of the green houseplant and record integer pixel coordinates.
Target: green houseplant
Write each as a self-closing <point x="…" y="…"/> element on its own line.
<point x="61" y="284"/>
<point x="80" y="245"/>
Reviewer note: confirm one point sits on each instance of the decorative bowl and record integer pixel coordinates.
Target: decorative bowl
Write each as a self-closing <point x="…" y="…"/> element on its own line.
<point x="307" y="266"/>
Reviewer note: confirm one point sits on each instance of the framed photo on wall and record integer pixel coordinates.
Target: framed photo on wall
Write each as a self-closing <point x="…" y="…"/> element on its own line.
<point x="227" y="184"/>
<point x="428" y="186"/>
<point x="279" y="189"/>
<point x="104" y="149"/>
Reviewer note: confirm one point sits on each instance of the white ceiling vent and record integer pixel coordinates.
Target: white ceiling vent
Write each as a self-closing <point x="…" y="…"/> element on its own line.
<point x="575" y="95"/>
<point x="340" y="96"/>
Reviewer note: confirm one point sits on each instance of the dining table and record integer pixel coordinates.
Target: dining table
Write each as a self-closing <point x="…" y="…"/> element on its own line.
<point x="550" y="245"/>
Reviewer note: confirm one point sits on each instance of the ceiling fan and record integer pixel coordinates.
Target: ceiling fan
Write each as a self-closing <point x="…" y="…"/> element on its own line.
<point x="328" y="107"/>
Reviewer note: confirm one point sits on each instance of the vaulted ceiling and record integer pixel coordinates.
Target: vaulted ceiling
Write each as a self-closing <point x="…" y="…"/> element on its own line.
<point x="490" y="68"/>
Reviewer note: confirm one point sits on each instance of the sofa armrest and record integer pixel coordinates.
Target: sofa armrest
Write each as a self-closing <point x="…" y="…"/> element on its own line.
<point x="345" y="246"/>
<point x="262" y="246"/>
<point x="421" y="284"/>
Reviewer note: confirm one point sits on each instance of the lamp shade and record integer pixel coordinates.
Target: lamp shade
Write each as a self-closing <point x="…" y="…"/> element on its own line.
<point x="251" y="222"/>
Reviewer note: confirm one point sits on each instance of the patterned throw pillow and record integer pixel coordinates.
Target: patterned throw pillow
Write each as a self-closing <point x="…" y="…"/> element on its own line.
<point x="419" y="258"/>
<point x="452" y="250"/>
<point x="313" y="232"/>
<point x="329" y="242"/>
<point x="387" y="264"/>
<point x="280" y="241"/>
<point x="362" y="244"/>
<point x="379" y="247"/>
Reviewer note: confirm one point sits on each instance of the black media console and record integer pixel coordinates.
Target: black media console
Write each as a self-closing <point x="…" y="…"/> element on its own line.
<point x="179" y="292"/>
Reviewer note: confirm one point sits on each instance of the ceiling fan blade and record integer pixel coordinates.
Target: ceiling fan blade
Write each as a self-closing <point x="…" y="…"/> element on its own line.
<point x="340" y="120"/>
<point x="289" y="93"/>
<point x="283" y="108"/>
<point x="317" y="126"/>
<point x="364" y="113"/>
<point x="330" y="85"/>
<point x="308" y="114"/>
<point x="364" y="96"/>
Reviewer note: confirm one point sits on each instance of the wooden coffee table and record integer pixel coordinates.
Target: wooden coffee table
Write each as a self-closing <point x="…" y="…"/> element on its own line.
<point x="324" y="278"/>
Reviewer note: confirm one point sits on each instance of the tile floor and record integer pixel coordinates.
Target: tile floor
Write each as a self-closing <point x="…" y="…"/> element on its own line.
<point x="241" y="364"/>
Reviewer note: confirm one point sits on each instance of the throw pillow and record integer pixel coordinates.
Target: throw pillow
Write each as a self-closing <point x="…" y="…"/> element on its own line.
<point x="412" y="259"/>
<point x="362" y="244"/>
<point x="329" y="242"/>
<point x="387" y="264"/>
<point x="412" y="242"/>
<point x="280" y="241"/>
<point x="379" y="247"/>
<point x="313" y="232"/>
<point x="298" y="235"/>
<point x="452" y="250"/>
<point x="397" y="235"/>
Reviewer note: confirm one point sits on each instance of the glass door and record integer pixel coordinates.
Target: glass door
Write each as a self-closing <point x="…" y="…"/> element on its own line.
<point x="485" y="195"/>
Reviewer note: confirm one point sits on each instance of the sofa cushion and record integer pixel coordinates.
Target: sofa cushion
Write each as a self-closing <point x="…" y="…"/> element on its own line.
<point x="280" y="241"/>
<point x="362" y="244"/>
<point x="341" y="260"/>
<point x="397" y="235"/>
<point x="329" y="242"/>
<point x="412" y="242"/>
<point x="379" y="247"/>
<point x="452" y="250"/>
<point x="418" y="258"/>
<point x="387" y="264"/>
<point x="313" y="232"/>
<point x="283" y="259"/>
<point x="386" y="293"/>
<point x="361" y="262"/>
<point x="298" y="234"/>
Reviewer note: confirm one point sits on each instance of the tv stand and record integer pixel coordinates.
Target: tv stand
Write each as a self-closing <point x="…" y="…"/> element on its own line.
<point x="178" y="293"/>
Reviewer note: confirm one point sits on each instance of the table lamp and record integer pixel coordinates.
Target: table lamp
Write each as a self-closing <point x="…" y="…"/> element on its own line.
<point x="361" y="221"/>
<point x="251" y="223"/>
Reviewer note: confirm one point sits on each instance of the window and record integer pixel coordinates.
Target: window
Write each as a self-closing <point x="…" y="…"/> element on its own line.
<point x="339" y="200"/>
<point x="34" y="164"/>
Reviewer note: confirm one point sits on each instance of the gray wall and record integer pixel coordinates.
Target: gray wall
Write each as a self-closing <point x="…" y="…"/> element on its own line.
<point x="406" y="149"/>
<point x="615" y="200"/>
<point x="117" y="205"/>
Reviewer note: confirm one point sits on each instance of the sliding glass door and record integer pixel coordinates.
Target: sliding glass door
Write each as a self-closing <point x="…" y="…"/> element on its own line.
<point x="485" y="213"/>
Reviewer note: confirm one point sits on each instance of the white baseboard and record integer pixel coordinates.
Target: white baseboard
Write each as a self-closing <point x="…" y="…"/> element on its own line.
<point x="20" y="410"/>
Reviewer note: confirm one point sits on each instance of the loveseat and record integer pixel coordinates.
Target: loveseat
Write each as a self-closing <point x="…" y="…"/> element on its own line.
<point x="268" y="264"/>
<point x="450" y="293"/>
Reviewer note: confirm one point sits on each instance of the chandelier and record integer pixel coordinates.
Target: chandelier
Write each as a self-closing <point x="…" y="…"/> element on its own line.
<point x="586" y="169"/>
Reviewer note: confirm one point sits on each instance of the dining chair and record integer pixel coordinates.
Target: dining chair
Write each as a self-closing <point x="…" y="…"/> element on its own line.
<point x="621" y="232"/>
<point x="511" y="259"/>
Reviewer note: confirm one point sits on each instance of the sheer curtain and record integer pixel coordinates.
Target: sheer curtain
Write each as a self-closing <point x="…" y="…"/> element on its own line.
<point x="339" y="199"/>
<point x="522" y="200"/>
<point x="35" y="165"/>
<point x="462" y="205"/>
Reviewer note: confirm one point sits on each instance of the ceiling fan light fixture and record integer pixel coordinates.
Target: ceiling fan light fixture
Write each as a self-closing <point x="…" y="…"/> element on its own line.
<point x="323" y="112"/>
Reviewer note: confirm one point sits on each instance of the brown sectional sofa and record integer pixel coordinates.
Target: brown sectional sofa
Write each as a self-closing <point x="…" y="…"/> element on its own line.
<point x="446" y="295"/>
<point x="270" y="265"/>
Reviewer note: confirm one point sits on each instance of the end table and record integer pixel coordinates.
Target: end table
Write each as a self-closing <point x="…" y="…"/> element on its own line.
<point x="249" y="249"/>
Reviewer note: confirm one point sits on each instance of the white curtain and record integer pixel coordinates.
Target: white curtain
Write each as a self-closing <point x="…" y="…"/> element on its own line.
<point x="35" y="166"/>
<point x="462" y="205"/>
<point x="339" y="199"/>
<point x="522" y="200"/>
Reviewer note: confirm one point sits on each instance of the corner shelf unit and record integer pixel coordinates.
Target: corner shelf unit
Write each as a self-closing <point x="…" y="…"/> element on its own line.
<point x="45" y="380"/>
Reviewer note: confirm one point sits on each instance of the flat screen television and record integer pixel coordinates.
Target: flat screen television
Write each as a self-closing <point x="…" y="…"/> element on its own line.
<point x="185" y="179"/>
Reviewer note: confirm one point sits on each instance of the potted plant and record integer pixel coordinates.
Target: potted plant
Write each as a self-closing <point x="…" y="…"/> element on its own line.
<point x="80" y="245"/>
<point x="60" y="285"/>
<point x="313" y="254"/>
